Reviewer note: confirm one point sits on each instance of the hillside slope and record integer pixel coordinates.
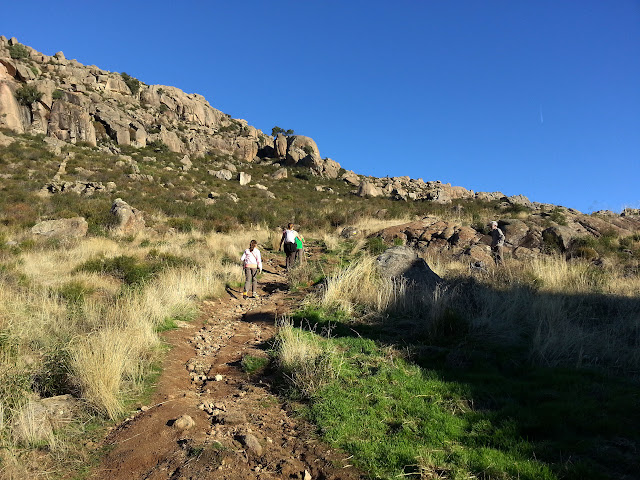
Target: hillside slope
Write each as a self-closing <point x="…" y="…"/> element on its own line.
<point x="103" y="135"/>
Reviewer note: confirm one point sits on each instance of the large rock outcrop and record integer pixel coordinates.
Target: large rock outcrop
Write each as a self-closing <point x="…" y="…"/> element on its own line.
<point x="70" y="122"/>
<point x="88" y="104"/>
<point x="129" y="220"/>
<point x="404" y="263"/>
<point x="303" y="151"/>
<point x="11" y="116"/>
<point x="524" y="239"/>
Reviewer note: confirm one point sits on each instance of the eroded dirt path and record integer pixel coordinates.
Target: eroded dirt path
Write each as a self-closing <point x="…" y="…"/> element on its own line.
<point x="241" y="430"/>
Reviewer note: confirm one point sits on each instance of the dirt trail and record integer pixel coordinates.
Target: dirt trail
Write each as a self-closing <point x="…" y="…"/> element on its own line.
<point x="241" y="429"/>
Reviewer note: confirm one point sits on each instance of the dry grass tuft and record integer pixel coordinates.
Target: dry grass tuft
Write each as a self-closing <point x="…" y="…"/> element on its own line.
<point x="304" y="359"/>
<point x="31" y="428"/>
<point x="358" y="286"/>
<point x="101" y="363"/>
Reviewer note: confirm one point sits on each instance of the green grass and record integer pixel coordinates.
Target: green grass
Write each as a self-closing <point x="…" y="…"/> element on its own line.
<point x="188" y="314"/>
<point x="133" y="271"/>
<point x="252" y="364"/>
<point x="496" y="418"/>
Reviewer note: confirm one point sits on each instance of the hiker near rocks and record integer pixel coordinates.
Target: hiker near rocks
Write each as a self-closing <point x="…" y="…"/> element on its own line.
<point x="289" y="236"/>
<point x="299" y="248"/>
<point x="497" y="242"/>
<point x="252" y="262"/>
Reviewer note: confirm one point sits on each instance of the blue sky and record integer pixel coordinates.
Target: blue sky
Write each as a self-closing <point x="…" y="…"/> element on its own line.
<point x="540" y="98"/>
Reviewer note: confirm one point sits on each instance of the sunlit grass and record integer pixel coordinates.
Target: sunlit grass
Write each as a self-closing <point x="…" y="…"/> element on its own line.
<point x="97" y="327"/>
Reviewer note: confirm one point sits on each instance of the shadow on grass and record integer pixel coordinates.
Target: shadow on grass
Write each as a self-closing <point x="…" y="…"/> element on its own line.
<point x="532" y="385"/>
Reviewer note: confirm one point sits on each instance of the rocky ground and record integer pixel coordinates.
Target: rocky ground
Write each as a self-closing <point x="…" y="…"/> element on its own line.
<point x="208" y="418"/>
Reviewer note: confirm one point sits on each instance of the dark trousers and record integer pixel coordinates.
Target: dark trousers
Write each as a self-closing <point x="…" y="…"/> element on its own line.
<point x="290" y="250"/>
<point x="497" y="254"/>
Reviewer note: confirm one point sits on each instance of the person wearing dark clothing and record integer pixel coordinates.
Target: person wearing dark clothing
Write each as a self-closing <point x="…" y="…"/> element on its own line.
<point x="497" y="242"/>
<point x="289" y="236"/>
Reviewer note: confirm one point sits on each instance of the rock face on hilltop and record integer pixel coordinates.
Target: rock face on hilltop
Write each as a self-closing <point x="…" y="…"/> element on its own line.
<point x="302" y="151"/>
<point x="410" y="189"/>
<point x="81" y="103"/>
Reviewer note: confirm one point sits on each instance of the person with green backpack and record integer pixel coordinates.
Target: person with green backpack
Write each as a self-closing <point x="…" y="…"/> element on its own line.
<point x="289" y="236"/>
<point x="299" y="248"/>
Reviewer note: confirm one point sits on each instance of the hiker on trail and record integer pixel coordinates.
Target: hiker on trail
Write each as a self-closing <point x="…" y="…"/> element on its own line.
<point x="289" y="236"/>
<point x="497" y="242"/>
<point x="252" y="262"/>
<point x="299" y="249"/>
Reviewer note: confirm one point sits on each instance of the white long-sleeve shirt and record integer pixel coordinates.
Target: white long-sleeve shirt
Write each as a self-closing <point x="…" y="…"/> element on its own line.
<point x="252" y="259"/>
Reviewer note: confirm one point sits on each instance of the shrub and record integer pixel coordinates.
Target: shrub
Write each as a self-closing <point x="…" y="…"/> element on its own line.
<point x="588" y="253"/>
<point x="551" y="243"/>
<point x="276" y="130"/>
<point x="302" y="176"/>
<point x="129" y="269"/>
<point x="131" y="82"/>
<point x="18" y="52"/>
<point x="75" y="291"/>
<point x="376" y="245"/>
<point x="58" y="94"/>
<point x="557" y="216"/>
<point x="158" y="146"/>
<point x="28" y="94"/>
<point x="133" y="271"/>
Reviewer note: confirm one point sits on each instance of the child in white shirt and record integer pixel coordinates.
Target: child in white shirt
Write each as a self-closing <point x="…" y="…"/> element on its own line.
<point x="252" y="263"/>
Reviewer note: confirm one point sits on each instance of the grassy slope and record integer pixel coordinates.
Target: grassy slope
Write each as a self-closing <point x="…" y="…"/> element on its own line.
<point x="455" y="406"/>
<point x="454" y="395"/>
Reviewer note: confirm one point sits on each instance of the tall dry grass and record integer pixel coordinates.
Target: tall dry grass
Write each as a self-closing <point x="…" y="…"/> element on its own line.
<point x="357" y="287"/>
<point x="368" y="225"/>
<point x="568" y="313"/>
<point x="108" y="362"/>
<point x="308" y="363"/>
<point x="104" y="340"/>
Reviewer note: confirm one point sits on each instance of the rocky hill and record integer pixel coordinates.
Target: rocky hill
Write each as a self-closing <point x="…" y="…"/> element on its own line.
<point x="70" y="104"/>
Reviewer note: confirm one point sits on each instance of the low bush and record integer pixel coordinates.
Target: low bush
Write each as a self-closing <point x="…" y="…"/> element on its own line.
<point x="18" y="52"/>
<point x="558" y="216"/>
<point x="158" y="146"/>
<point x="131" y="82"/>
<point x="134" y="271"/>
<point x="251" y="364"/>
<point x="28" y="95"/>
<point x="376" y="245"/>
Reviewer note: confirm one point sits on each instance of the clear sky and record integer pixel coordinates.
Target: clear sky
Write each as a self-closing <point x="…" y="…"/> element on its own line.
<point x="537" y="97"/>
